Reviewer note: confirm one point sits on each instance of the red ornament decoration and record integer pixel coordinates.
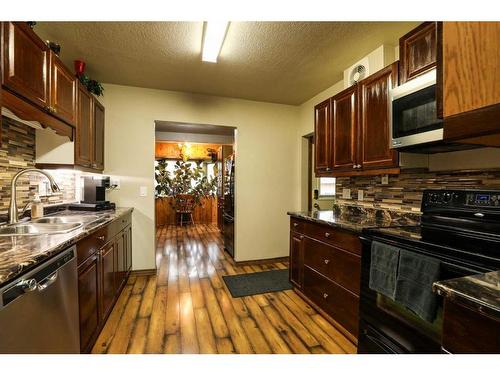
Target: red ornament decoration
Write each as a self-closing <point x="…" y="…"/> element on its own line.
<point x="79" y="67"/>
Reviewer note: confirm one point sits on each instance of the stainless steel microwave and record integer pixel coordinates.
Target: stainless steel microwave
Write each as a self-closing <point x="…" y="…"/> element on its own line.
<point x="414" y="115"/>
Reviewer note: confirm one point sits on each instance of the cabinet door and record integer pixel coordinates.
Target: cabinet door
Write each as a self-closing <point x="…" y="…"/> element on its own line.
<point x="375" y="104"/>
<point x="83" y="141"/>
<point x="88" y="299"/>
<point x="471" y="67"/>
<point x="107" y="278"/>
<point x="128" y="246"/>
<point x="121" y="259"/>
<point x="98" y="137"/>
<point x="417" y="51"/>
<point x="322" y="137"/>
<point x="345" y="121"/>
<point x="296" y="259"/>
<point x="63" y="91"/>
<point x="25" y="63"/>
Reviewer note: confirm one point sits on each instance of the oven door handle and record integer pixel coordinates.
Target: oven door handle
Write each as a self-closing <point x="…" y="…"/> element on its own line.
<point x="378" y="341"/>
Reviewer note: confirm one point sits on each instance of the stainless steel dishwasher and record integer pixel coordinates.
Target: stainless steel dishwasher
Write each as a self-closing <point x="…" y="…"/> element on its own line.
<point x="39" y="310"/>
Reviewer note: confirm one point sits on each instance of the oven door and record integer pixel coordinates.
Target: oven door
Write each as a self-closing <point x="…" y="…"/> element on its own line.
<point x="414" y="113"/>
<point x="387" y="326"/>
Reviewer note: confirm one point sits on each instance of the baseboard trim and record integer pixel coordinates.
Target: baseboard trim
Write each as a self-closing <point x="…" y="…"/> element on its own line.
<point x="262" y="261"/>
<point x="148" y="272"/>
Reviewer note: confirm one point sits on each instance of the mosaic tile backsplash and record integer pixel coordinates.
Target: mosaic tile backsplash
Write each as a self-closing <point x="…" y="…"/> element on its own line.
<point x="404" y="191"/>
<point x="17" y="152"/>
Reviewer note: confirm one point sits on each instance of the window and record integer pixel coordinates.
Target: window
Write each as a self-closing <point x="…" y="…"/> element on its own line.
<point x="327" y="187"/>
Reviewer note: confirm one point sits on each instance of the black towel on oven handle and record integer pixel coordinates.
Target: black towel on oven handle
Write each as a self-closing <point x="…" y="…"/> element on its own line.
<point x="383" y="268"/>
<point x="416" y="274"/>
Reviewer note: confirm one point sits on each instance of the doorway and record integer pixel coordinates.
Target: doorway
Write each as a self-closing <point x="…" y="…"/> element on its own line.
<point x="194" y="178"/>
<point x="320" y="190"/>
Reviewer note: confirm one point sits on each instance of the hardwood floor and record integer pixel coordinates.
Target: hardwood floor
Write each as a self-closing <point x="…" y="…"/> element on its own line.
<point x="186" y="307"/>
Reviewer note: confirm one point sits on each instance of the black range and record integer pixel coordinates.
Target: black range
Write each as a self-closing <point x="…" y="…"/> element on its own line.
<point x="461" y="230"/>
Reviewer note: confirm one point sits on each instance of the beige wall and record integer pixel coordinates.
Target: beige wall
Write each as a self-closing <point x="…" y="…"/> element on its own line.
<point x="266" y="173"/>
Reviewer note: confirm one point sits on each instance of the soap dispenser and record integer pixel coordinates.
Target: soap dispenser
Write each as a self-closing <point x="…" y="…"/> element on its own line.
<point x="36" y="208"/>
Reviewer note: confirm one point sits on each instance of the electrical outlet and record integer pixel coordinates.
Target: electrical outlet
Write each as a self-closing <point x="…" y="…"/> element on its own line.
<point x="115" y="181"/>
<point x="385" y="179"/>
<point x="360" y="195"/>
<point x="346" y="193"/>
<point x="143" y="191"/>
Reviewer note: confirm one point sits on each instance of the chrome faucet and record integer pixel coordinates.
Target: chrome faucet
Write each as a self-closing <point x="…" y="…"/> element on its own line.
<point x="13" y="213"/>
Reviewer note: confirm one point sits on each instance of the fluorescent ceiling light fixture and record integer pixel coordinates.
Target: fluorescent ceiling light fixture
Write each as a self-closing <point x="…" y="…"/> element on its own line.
<point x="214" y="34"/>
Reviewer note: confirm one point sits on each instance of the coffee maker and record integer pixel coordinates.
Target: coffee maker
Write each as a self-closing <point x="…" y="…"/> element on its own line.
<point x="94" y="194"/>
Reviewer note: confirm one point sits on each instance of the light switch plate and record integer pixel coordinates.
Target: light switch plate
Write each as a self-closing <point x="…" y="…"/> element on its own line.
<point x="385" y="179"/>
<point x="361" y="195"/>
<point x="346" y="193"/>
<point x="143" y="191"/>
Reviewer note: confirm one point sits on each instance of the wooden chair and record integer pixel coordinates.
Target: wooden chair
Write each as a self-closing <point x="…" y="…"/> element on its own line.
<point x="184" y="205"/>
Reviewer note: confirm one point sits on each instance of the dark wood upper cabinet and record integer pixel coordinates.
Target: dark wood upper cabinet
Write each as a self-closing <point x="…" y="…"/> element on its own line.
<point x="25" y="63"/>
<point x="322" y="137"/>
<point x="63" y="91"/>
<point x="374" y="126"/>
<point x="417" y="51"/>
<point x="83" y="139"/>
<point x="345" y="122"/>
<point x="98" y="136"/>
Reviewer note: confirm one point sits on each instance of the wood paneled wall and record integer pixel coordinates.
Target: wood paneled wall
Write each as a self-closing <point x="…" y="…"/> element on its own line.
<point x="197" y="151"/>
<point x="206" y="213"/>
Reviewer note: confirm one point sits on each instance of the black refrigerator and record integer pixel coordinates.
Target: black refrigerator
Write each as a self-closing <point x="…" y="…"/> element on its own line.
<point x="228" y="231"/>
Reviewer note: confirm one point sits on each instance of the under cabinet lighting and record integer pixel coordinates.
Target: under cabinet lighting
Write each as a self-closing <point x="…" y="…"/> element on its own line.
<point x="213" y="38"/>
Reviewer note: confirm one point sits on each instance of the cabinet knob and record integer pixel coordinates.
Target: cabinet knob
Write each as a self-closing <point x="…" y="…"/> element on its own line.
<point x="327" y="261"/>
<point x="354" y="166"/>
<point x="325" y="295"/>
<point x="295" y="224"/>
<point x="328" y="169"/>
<point x="327" y="235"/>
<point x="301" y="237"/>
<point x="101" y="238"/>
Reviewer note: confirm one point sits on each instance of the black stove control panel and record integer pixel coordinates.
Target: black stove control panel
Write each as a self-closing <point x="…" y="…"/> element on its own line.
<point x="461" y="199"/>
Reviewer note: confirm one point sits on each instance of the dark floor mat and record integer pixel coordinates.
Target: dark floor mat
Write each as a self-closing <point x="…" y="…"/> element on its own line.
<point x="257" y="283"/>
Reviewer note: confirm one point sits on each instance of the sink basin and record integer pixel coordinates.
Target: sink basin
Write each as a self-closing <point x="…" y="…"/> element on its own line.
<point x="35" y="229"/>
<point x="67" y="219"/>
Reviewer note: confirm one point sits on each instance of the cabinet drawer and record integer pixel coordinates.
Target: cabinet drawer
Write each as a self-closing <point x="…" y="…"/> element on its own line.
<point x="338" y="265"/>
<point x="336" y="301"/>
<point x="90" y="244"/>
<point x="338" y="237"/>
<point x="296" y="225"/>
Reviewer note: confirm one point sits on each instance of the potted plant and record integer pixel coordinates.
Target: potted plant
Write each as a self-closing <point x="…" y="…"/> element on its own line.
<point x="184" y="180"/>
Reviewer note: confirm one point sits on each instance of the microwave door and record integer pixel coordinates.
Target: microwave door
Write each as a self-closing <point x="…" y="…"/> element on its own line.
<point x="414" y="114"/>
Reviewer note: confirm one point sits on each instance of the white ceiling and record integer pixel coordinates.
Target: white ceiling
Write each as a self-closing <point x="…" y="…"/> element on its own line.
<point x="281" y="62"/>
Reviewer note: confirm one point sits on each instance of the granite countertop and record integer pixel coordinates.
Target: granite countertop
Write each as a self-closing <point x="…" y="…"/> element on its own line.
<point x="477" y="291"/>
<point x="18" y="254"/>
<point x="356" y="220"/>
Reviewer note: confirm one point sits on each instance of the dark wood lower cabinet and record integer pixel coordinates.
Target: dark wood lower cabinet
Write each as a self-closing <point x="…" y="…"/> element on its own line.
<point x="104" y="263"/>
<point x="108" y="255"/>
<point x="325" y="268"/>
<point x="469" y="331"/>
<point x="88" y="296"/>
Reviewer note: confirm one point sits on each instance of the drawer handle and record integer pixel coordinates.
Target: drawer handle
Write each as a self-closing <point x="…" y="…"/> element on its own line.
<point x="295" y="224"/>
<point x="101" y="238"/>
<point x="327" y="235"/>
<point x="327" y="261"/>
<point x="325" y="295"/>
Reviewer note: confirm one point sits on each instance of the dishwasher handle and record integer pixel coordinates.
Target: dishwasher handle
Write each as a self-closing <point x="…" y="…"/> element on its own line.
<point x="47" y="282"/>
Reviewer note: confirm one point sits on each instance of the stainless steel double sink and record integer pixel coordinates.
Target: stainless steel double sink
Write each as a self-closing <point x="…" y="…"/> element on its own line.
<point x="48" y="225"/>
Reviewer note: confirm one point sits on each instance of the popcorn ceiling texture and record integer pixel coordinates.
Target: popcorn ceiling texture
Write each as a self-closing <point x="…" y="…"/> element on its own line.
<point x="404" y="192"/>
<point x="17" y="152"/>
